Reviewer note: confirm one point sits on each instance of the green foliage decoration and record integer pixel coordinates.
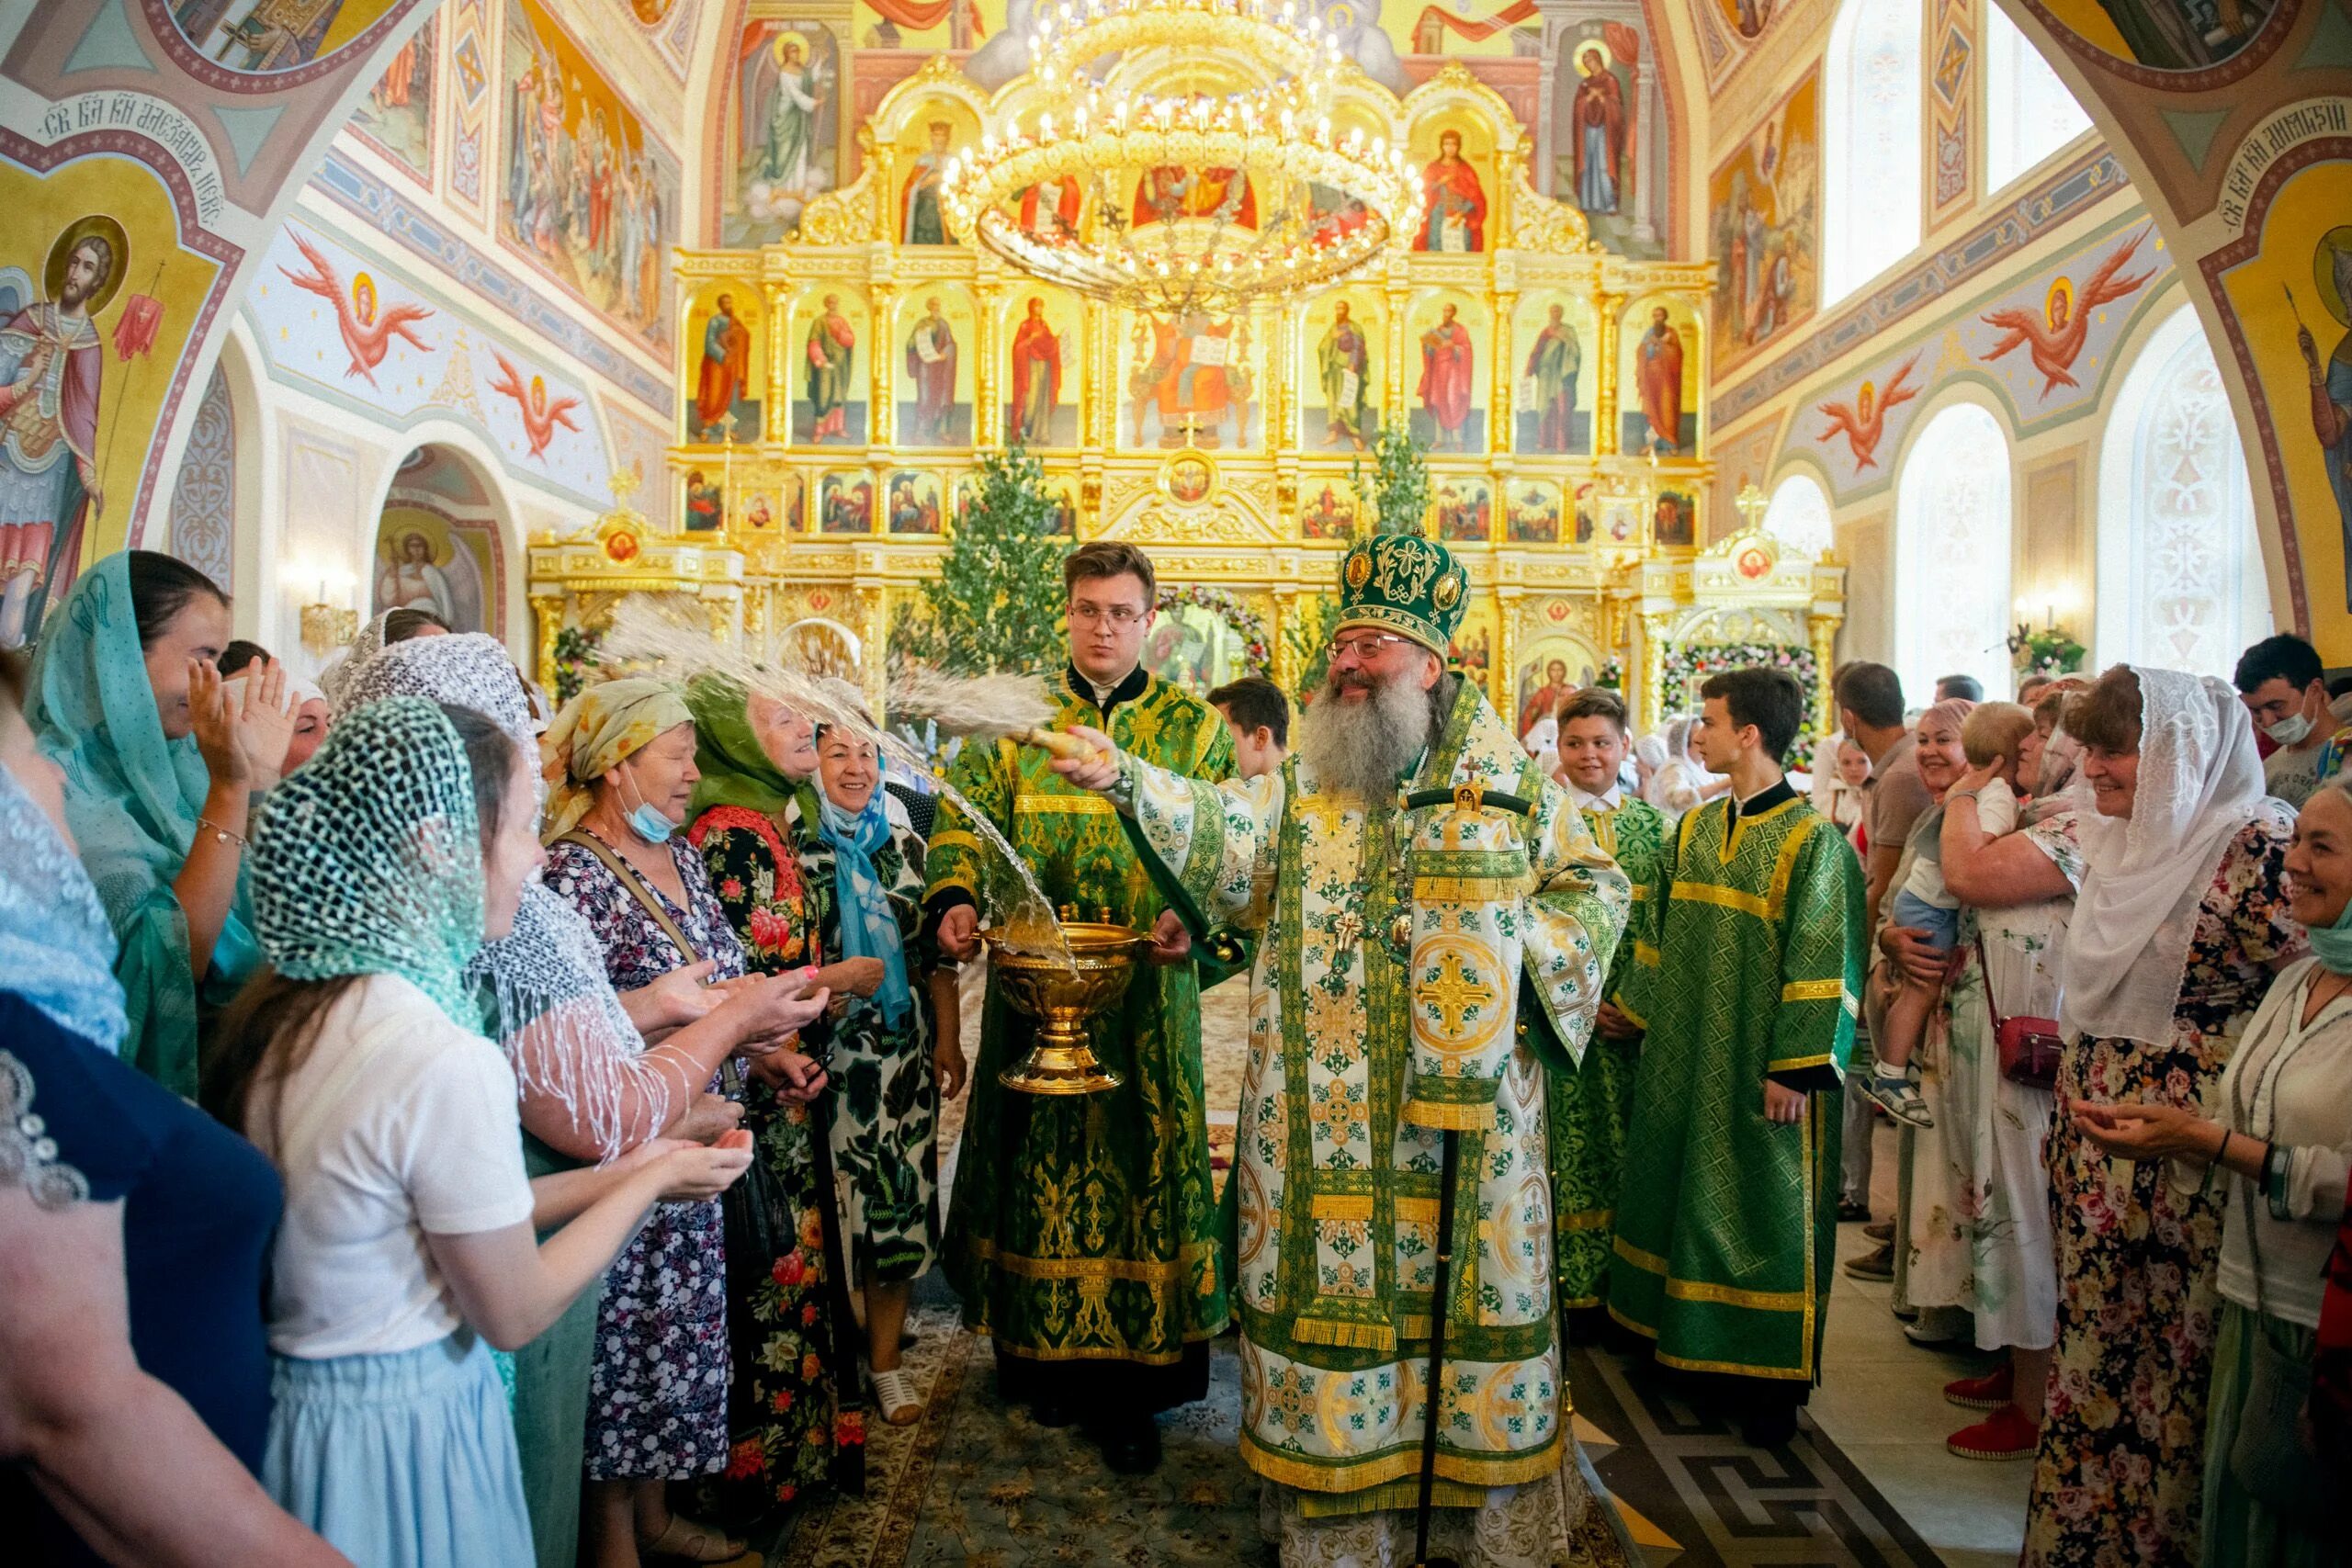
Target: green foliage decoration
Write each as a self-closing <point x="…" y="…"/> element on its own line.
<point x="997" y="602"/>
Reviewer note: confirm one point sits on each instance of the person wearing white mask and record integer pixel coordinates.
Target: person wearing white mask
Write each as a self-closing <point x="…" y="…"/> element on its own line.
<point x="2284" y="687"/>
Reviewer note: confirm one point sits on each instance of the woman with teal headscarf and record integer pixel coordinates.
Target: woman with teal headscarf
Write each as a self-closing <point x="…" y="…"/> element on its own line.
<point x="160" y="771"/>
<point x="891" y="1066"/>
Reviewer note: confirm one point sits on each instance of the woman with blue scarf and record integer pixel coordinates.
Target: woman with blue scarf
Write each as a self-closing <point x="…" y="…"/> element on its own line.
<point x="161" y="767"/>
<point x="862" y="863"/>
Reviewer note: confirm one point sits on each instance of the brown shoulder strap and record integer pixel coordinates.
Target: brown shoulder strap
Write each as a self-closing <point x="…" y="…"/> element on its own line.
<point x="637" y="887"/>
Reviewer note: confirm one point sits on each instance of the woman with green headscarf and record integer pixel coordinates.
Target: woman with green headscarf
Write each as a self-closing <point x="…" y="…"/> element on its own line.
<point x="757" y="760"/>
<point x="161" y="769"/>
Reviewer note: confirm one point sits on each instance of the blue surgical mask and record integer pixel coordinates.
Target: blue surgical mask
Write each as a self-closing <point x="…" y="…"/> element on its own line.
<point x="2332" y="945"/>
<point x="646" y="822"/>
<point x="2289" y="731"/>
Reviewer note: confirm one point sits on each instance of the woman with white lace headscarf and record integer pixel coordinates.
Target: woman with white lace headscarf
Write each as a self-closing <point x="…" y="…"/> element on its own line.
<point x="1678" y="780"/>
<point x="2181" y="920"/>
<point x="592" y="1088"/>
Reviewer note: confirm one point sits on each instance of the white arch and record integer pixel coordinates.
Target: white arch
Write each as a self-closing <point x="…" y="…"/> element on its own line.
<point x="1871" y="110"/>
<point x="1954" y="521"/>
<point x="514" y="622"/>
<point x="2029" y="113"/>
<point x="2179" y="566"/>
<point x="1798" y="516"/>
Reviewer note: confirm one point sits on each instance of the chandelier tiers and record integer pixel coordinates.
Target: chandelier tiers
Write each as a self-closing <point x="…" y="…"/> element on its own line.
<point x="1214" y="180"/>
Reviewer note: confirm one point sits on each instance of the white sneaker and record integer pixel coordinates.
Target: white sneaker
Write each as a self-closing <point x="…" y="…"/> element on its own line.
<point x="1900" y="1098"/>
<point x="895" y="1399"/>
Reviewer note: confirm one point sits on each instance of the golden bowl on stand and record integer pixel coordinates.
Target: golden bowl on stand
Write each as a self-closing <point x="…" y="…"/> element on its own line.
<point x="1062" y="999"/>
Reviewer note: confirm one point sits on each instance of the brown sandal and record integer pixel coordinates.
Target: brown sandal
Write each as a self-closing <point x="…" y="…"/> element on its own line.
<point x="683" y="1537"/>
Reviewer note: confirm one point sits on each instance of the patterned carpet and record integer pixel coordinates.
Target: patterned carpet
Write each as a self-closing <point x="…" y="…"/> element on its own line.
<point x="975" y="1483"/>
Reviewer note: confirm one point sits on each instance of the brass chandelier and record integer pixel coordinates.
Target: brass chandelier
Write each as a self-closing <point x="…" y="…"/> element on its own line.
<point x="1200" y="171"/>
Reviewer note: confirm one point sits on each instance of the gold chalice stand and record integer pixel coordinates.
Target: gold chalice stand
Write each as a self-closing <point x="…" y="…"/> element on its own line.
<point x="1062" y="999"/>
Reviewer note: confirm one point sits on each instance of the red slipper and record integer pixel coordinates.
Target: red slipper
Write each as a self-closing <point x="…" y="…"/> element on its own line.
<point x="2005" y="1434"/>
<point x="1991" y="1392"/>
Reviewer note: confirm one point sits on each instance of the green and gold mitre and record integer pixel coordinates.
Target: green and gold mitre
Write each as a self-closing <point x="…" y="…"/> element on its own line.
<point x="1403" y="583"/>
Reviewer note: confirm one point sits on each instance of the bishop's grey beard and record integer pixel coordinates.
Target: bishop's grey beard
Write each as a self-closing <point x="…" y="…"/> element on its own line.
<point x="1362" y="749"/>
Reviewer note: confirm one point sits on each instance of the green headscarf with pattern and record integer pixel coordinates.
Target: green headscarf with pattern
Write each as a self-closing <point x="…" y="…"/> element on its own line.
<point x="367" y="859"/>
<point x="734" y="765"/>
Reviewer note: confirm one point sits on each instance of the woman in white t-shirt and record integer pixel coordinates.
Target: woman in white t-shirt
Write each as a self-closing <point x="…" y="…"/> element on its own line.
<point x="355" y="1061"/>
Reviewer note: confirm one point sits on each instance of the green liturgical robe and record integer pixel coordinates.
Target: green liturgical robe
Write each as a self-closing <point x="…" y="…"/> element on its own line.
<point x="1418" y="966"/>
<point x="1084" y="1227"/>
<point x="1590" y="1106"/>
<point x="1748" y="965"/>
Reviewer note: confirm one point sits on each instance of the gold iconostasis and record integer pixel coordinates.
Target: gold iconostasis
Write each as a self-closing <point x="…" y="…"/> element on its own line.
<point x="835" y="387"/>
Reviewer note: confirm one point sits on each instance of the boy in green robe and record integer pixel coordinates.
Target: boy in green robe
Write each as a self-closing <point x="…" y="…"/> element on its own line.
<point x="1590" y="1106"/>
<point x="1081" y="1234"/>
<point x="1748" y="948"/>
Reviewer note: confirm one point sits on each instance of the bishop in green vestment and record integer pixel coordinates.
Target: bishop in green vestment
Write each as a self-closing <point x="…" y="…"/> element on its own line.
<point x="1435" y="923"/>
<point x="1081" y="1232"/>
<point x="1749" y="949"/>
<point x="1591" y="1105"/>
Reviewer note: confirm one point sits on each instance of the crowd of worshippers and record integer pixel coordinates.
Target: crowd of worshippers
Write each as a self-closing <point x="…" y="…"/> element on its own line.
<point x="435" y="1128"/>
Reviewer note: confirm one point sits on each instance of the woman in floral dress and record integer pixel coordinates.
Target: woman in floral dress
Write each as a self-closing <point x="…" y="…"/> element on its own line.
<point x="2180" y="924"/>
<point x="863" y="867"/>
<point x="622" y="756"/>
<point x="792" y="1430"/>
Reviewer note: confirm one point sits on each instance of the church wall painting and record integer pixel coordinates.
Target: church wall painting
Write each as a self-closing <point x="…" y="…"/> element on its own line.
<point x="1765" y="228"/>
<point x="846" y="502"/>
<point x="587" y="195"/>
<point x="2171" y="35"/>
<point x="1344" y="338"/>
<point x="785" y="129"/>
<point x="1454" y="154"/>
<point x="1598" y="139"/>
<point x="1673" y="519"/>
<point x="395" y="116"/>
<point x="727" y="370"/>
<point x="1552" y="340"/>
<point x="1045" y="346"/>
<point x="1551" y="670"/>
<point x="1329" y="509"/>
<point x="425" y="560"/>
<point x="354" y="331"/>
<point x="1451" y="341"/>
<point x="913" y="502"/>
<point x="935" y="365"/>
<point x="2051" y="337"/>
<point x="100" y="297"/>
<point x="1461" y="509"/>
<point x="1658" y="378"/>
<point x="935" y="131"/>
<point x="1749" y="18"/>
<point x="268" y="36"/>
<point x="1531" y="512"/>
<point x="828" y="380"/>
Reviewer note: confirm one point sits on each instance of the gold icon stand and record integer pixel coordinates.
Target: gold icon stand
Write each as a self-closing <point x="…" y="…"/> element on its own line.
<point x="1063" y="998"/>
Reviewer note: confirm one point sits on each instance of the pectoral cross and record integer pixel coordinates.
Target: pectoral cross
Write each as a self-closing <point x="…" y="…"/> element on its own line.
<point x="1348" y="929"/>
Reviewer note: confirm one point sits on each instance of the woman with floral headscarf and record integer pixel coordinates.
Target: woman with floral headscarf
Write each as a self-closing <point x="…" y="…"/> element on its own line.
<point x="160" y="772"/>
<point x="2181" y="921"/>
<point x="621" y="758"/>
<point x="355" y="1061"/>
<point x="592" y="1088"/>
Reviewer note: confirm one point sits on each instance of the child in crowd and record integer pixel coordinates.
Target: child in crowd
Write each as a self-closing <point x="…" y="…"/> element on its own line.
<point x="1989" y="737"/>
<point x="1849" y="789"/>
<point x="1258" y="715"/>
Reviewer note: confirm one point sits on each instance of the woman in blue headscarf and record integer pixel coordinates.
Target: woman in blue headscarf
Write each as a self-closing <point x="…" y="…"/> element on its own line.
<point x="134" y="1379"/>
<point x="161" y="768"/>
<point x="861" y="864"/>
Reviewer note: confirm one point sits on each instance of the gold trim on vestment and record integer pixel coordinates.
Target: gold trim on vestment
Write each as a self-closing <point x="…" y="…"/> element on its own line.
<point x="1502" y="1470"/>
<point x="960" y="839"/>
<point x="1736" y="1369"/>
<point x="1725" y="897"/>
<point x="1812" y="990"/>
<point x="1102" y="1352"/>
<point x="1062" y="806"/>
<point x="1796" y="1064"/>
<point x="1649" y="1262"/>
<point x="1343" y="1206"/>
<point x="1588" y="1219"/>
<point x="1415" y="1210"/>
<point x="1138" y="1270"/>
<point x="1449" y="1117"/>
<point x="1739" y="824"/>
<point x="1343" y="1335"/>
<point x="1784" y="869"/>
<point x="1730" y="1295"/>
<point x="1644" y="954"/>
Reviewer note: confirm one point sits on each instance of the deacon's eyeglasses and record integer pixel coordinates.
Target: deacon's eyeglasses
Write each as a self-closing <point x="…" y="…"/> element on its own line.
<point x="1366" y="647"/>
<point x="1121" y="616"/>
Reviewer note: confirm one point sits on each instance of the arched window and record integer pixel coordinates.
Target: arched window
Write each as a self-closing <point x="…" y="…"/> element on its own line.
<point x="1870" y="113"/>
<point x="1951" y="553"/>
<point x="1799" y="515"/>
<point x="2028" y="112"/>
<point x="2180" y="581"/>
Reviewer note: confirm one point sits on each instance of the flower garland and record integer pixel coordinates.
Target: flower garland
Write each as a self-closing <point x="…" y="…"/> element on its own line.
<point x="1257" y="643"/>
<point x="1612" y="675"/>
<point x="1684" y="665"/>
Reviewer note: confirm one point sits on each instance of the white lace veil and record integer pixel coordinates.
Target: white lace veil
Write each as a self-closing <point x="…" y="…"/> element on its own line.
<point x="2200" y="782"/>
<point x="555" y="1013"/>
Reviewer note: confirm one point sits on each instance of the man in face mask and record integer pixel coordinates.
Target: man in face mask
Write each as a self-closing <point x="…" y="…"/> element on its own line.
<point x="2283" y="685"/>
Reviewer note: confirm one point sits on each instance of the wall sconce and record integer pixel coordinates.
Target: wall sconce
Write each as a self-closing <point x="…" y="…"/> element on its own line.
<point x="325" y="625"/>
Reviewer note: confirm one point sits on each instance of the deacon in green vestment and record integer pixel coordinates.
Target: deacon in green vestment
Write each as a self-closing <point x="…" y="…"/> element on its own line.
<point x="1435" y="924"/>
<point x="1591" y="1105"/>
<point x="1081" y="1232"/>
<point x="1749" y="954"/>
